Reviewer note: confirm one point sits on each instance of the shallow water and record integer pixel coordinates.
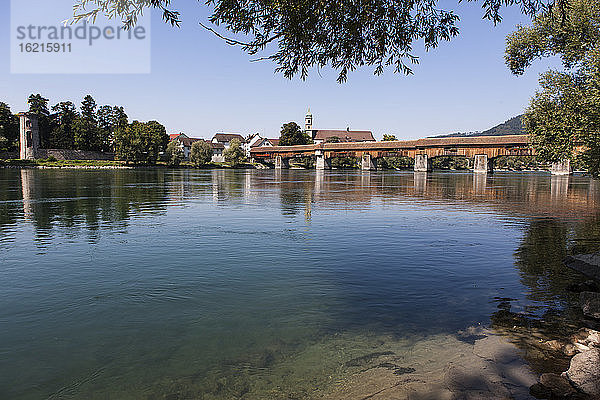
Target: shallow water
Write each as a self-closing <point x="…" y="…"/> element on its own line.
<point x="157" y="284"/>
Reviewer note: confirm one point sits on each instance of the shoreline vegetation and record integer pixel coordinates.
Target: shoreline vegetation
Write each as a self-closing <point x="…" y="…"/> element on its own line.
<point x="443" y="164"/>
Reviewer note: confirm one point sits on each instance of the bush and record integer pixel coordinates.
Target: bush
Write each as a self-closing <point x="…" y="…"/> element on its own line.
<point x="344" y="162"/>
<point x="396" y="163"/>
<point x="201" y="153"/>
<point x="235" y="154"/>
<point x="450" y="162"/>
<point x="174" y="154"/>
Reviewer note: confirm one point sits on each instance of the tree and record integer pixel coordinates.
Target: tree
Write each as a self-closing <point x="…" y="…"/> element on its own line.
<point x="304" y="34"/>
<point x="140" y="142"/>
<point x="9" y="127"/>
<point x="87" y="134"/>
<point x="157" y="140"/>
<point x="389" y="138"/>
<point x="235" y="154"/>
<point x="292" y="135"/>
<point x="88" y="109"/>
<point x="62" y="135"/>
<point x="38" y="105"/>
<point x="109" y="120"/>
<point x="201" y="153"/>
<point x="174" y="153"/>
<point x="565" y="114"/>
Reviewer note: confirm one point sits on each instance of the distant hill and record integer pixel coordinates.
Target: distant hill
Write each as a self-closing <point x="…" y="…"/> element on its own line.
<point x="513" y="126"/>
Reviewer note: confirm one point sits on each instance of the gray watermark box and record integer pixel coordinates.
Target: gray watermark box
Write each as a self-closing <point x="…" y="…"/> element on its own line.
<point x="44" y="41"/>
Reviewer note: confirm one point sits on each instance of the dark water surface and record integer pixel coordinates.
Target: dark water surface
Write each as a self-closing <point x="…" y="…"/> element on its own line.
<point x="158" y="284"/>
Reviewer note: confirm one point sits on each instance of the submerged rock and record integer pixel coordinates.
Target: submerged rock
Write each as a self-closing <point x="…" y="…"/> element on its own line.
<point x="584" y="372"/>
<point x="587" y="264"/>
<point x="587" y="286"/>
<point x="558" y="386"/>
<point x="590" y="304"/>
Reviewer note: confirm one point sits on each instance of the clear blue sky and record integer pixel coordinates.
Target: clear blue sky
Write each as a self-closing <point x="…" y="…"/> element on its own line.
<point x="199" y="85"/>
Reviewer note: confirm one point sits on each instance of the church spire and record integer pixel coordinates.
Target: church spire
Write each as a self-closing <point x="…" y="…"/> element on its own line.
<point x="308" y="121"/>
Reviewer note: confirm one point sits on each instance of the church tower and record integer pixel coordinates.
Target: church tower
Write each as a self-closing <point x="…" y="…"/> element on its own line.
<point x="308" y="121"/>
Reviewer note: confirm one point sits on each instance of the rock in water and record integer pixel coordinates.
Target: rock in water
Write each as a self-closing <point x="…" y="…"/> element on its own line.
<point x="584" y="372"/>
<point x="587" y="264"/>
<point x="590" y="304"/>
<point x="557" y="386"/>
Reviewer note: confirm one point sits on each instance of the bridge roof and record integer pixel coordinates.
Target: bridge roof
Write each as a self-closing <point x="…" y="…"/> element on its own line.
<point x="474" y="141"/>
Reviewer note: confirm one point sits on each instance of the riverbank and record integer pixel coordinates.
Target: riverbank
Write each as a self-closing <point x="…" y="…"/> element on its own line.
<point x="104" y="164"/>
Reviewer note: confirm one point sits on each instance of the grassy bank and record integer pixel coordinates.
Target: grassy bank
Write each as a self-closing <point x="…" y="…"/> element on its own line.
<point x="85" y="164"/>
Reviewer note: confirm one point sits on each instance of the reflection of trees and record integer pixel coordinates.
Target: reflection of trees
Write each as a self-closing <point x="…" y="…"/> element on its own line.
<point x="540" y="259"/>
<point x="89" y="198"/>
<point x="555" y="313"/>
<point x="540" y="256"/>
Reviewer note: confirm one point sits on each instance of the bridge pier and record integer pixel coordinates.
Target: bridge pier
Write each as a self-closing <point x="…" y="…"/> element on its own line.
<point x="562" y="167"/>
<point x="322" y="162"/>
<point x="422" y="163"/>
<point x="281" y="162"/>
<point x="482" y="164"/>
<point x="368" y="163"/>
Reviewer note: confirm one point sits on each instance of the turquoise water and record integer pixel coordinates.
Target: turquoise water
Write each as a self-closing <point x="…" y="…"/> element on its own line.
<point x="157" y="284"/>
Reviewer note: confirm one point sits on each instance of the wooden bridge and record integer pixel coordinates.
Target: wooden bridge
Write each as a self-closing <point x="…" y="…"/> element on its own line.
<point x="483" y="149"/>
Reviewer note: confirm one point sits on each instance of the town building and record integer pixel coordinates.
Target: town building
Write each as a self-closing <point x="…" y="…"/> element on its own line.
<point x="334" y="135"/>
<point x="264" y="142"/>
<point x="226" y="138"/>
<point x="250" y="142"/>
<point x="185" y="143"/>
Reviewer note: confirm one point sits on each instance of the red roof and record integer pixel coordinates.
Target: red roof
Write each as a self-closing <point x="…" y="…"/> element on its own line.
<point x="175" y="135"/>
<point x="274" y="142"/>
<point x="345" y="136"/>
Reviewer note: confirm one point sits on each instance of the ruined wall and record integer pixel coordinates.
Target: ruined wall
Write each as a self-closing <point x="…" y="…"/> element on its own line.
<point x="61" y="154"/>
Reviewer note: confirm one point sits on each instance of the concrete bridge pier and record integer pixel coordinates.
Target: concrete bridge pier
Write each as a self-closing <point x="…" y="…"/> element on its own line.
<point x="482" y="164"/>
<point x="368" y="163"/>
<point x="422" y="163"/>
<point x="281" y="162"/>
<point x="322" y="162"/>
<point x="562" y="167"/>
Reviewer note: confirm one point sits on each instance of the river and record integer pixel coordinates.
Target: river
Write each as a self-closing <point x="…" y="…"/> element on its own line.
<point x="263" y="284"/>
